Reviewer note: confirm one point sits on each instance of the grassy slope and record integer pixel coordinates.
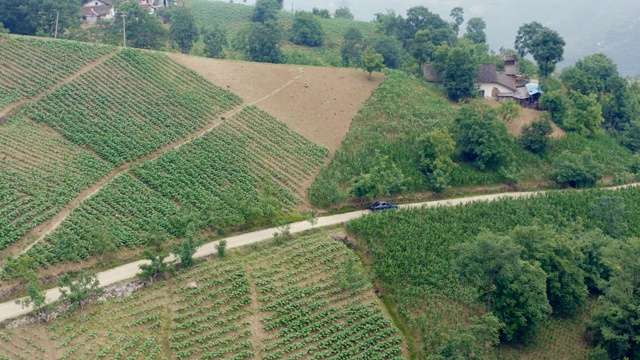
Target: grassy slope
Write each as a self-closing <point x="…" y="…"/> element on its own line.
<point x="401" y="110"/>
<point x="234" y="17"/>
<point x="269" y="301"/>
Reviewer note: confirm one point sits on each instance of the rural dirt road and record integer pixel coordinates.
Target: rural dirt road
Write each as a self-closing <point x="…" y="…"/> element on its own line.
<point x="9" y="310"/>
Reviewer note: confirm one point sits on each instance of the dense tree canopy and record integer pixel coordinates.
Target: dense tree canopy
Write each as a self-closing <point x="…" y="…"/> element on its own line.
<point x="38" y="17"/>
<point x="143" y="30"/>
<point x="476" y="30"/>
<point x="482" y="138"/>
<point x="263" y="42"/>
<point x="266" y="10"/>
<point x="306" y="29"/>
<point x="343" y="13"/>
<point x="214" y="42"/>
<point x="183" y="31"/>
<point x="547" y="49"/>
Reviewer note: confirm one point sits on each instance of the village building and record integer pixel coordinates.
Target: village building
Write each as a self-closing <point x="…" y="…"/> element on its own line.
<point x="497" y="85"/>
<point x="95" y="10"/>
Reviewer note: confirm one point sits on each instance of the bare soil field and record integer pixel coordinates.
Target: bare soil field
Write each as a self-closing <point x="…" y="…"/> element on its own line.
<point x="317" y="102"/>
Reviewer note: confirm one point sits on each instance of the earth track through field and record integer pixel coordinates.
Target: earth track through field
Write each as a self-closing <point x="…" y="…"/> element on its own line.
<point x="12" y="108"/>
<point x="41" y="231"/>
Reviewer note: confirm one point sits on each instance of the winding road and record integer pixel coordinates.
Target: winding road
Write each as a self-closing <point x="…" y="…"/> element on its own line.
<point x="10" y="310"/>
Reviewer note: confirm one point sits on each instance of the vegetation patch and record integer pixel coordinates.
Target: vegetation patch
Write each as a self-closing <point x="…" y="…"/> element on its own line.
<point x="307" y="298"/>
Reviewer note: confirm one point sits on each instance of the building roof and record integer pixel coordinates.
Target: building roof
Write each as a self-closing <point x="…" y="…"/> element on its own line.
<point x="489" y="74"/>
<point x="100" y="10"/>
<point x="509" y="57"/>
<point x="533" y="88"/>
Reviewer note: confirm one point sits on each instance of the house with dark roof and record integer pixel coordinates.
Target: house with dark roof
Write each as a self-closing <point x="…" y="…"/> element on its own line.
<point x="95" y="10"/>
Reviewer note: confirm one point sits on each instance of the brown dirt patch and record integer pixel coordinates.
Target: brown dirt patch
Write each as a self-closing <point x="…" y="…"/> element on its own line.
<point x="526" y="117"/>
<point x="317" y="102"/>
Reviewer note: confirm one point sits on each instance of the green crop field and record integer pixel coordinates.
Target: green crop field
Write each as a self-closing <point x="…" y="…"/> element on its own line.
<point x="278" y="302"/>
<point x="248" y="168"/>
<point x="29" y="66"/>
<point x="412" y="256"/>
<point x="40" y="172"/>
<point x="132" y="104"/>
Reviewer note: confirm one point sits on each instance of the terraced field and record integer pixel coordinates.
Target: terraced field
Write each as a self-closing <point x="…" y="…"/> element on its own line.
<point x="277" y="302"/>
<point x="132" y="104"/>
<point x="248" y="168"/>
<point x="39" y="173"/>
<point x="29" y="66"/>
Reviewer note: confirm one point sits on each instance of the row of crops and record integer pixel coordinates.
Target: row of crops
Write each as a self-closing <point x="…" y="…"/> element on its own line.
<point x="281" y="302"/>
<point x="248" y="168"/>
<point x="307" y="311"/>
<point x="29" y="66"/>
<point x="40" y="172"/>
<point x="132" y="104"/>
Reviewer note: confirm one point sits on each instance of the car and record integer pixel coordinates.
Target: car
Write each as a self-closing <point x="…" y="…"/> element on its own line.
<point x="382" y="205"/>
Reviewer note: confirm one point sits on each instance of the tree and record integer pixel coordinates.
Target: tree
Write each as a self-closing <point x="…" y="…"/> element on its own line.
<point x="215" y="41"/>
<point x="513" y="289"/>
<point x="80" y="291"/>
<point x="183" y="29"/>
<point x="592" y="75"/>
<point x="36" y="296"/>
<point x="557" y="104"/>
<point x="3" y="31"/>
<point x="155" y="235"/>
<point x="343" y="13"/>
<point x="437" y="147"/>
<point x="483" y="138"/>
<point x="221" y="249"/>
<point x="352" y="48"/>
<point x="156" y="267"/>
<point x="263" y="42"/>
<point x="321" y="13"/>
<point x="266" y="10"/>
<point x="457" y="15"/>
<point x="576" y="170"/>
<point x="38" y="17"/>
<point x="144" y="31"/>
<point x="535" y="136"/>
<point x="458" y="68"/>
<point x="585" y="114"/>
<point x="525" y="36"/>
<point x="103" y="239"/>
<point x="306" y="29"/>
<point x="371" y="60"/>
<point x="187" y="249"/>
<point x="560" y="259"/>
<point x="610" y="211"/>
<point x="547" y="49"/>
<point x="615" y="326"/>
<point x="391" y="50"/>
<point x="476" y="30"/>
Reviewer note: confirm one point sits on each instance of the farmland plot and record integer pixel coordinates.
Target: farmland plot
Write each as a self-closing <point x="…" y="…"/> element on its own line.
<point x="29" y="66"/>
<point x="248" y="168"/>
<point x="132" y="104"/>
<point x="39" y="173"/>
<point x="282" y="302"/>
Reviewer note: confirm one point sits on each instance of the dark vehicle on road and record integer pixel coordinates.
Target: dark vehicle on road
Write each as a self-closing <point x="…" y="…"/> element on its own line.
<point x="382" y="205"/>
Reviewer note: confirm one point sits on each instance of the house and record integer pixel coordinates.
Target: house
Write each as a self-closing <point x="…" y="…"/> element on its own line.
<point x="95" y="10"/>
<point x="510" y="64"/>
<point x="490" y="82"/>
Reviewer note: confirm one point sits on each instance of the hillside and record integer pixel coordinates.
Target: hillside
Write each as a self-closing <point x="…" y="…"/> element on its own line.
<point x="269" y="302"/>
<point x="118" y="157"/>
<point x="235" y="17"/>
